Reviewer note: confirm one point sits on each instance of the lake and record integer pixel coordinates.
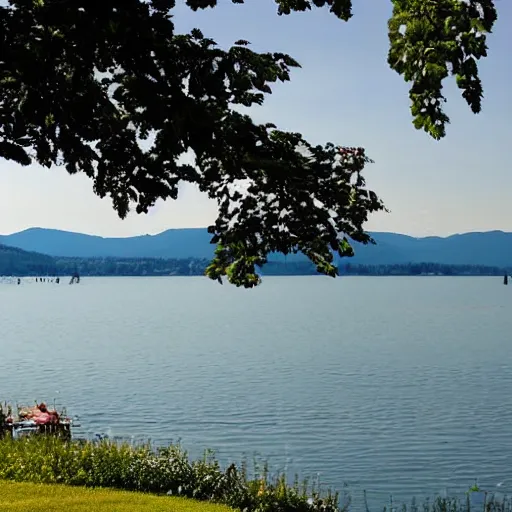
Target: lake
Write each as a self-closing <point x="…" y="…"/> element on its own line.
<point x="393" y="385"/>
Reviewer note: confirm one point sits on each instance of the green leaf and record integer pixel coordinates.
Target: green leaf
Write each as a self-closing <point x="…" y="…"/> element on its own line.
<point x="14" y="152"/>
<point x="82" y="88"/>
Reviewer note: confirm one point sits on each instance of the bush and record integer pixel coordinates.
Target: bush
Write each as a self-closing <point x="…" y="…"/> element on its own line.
<point x="50" y="460"/>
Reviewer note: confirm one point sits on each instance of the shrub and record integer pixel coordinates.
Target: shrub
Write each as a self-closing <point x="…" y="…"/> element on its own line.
<point x="168" y="470"/>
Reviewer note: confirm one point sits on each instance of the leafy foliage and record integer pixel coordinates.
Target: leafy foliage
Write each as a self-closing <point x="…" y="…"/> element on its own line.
<point x="44" y="460"/>
<point x="432" y="39"/>
<point x="110" y="89"/>
<point x="169" y="471"/>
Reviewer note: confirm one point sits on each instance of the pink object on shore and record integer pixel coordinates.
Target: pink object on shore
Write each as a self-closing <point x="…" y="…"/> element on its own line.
<point x="43" y="418"/>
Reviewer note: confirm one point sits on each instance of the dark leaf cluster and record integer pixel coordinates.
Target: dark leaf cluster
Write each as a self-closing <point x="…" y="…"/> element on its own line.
<point x="432" y="40"/>
<point x="110" y="89"/>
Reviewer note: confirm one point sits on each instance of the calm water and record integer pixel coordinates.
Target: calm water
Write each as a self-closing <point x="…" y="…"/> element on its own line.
<point x="394" y="385"/>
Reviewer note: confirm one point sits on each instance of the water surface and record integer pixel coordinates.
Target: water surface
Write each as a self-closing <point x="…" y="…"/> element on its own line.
<point x="394" y="385"/>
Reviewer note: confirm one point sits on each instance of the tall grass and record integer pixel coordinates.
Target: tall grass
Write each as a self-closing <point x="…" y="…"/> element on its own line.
<point x="51" y="460"/>
<point x="492" y="504"/>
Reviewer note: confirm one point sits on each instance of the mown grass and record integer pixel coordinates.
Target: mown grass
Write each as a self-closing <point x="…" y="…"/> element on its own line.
<point x="28" y="497"/>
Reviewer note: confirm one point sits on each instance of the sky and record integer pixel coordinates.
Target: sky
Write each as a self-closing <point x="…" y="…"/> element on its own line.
<point x="344" y="93"/>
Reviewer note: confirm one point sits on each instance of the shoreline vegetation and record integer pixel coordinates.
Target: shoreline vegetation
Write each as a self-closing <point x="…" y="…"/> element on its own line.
<point x="25" y="264"/>
<point x="163" y="471"/>
<point x="99" y="475"/>
<point x="16" y="262"/>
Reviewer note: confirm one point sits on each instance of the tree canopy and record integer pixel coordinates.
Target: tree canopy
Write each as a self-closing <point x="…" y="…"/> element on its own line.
<point x="111" y="90"/>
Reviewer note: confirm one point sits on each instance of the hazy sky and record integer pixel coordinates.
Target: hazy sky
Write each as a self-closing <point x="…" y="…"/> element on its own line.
<point x="344" y="93"/>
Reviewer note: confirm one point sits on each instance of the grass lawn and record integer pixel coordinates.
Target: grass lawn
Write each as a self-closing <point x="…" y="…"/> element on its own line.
<point x="22" y="497"/>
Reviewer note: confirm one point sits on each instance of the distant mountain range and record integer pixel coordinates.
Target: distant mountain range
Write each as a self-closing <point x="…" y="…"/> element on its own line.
<point x="492" y="248"/>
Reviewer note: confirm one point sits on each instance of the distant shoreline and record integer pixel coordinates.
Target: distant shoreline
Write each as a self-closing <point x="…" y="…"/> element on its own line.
<point x="16" y="262"/>
<point x="187" y="252"/>
<point x="152" y="267"/>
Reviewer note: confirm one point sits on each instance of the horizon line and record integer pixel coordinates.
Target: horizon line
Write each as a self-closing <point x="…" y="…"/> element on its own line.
<point x="205" y="228"/>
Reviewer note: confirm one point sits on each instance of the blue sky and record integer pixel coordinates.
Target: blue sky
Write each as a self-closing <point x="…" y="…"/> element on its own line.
<point x="344" y="93"/>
